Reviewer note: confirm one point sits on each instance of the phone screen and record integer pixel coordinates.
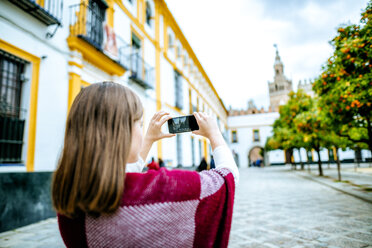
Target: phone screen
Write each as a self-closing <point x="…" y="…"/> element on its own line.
<point x="182" y="124"/>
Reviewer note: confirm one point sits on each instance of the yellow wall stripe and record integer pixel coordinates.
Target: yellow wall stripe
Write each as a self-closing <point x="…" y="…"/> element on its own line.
<point x="35" y="61"/>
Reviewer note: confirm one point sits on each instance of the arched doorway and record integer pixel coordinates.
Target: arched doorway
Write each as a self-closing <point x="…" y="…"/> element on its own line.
<point x="256" y="157"/>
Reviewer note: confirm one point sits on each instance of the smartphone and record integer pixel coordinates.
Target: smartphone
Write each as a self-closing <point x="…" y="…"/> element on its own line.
<point x="182" y="124"/>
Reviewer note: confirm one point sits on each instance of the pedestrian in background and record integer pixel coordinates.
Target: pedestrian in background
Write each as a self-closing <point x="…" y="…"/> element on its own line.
<point x="161" y="163"/>
<point x="153" y="165"/>
<point x="100" y="201"/>
<point x="212" y="163"/>
<point x="203" y="165"/>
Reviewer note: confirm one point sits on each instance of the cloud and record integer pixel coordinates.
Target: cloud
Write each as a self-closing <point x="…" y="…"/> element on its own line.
<point x="234" y="40"/>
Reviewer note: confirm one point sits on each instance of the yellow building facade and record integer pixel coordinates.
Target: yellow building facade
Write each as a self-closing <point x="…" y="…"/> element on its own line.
<point x="73" y="44"/>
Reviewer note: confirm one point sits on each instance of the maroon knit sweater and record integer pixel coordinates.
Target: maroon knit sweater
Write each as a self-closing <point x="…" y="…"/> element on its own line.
<point x="164" y="208"/>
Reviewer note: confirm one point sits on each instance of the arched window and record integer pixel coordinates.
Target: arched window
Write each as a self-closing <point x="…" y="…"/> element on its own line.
<point x="148" y="14"/>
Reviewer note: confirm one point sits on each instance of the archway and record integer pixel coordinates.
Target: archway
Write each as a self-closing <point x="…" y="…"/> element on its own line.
<point x="256" y="156"/>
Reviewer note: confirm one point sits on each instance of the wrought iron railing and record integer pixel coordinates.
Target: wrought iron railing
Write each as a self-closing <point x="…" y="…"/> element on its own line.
<point x="88" y="24"/>
<point x="12" y="124"/>
<point x="141" y="72"/>
<point x="47" y="11"/>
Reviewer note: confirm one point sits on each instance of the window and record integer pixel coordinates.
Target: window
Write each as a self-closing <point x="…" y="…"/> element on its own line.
<point x="200" y="150"/>
<point x="191" y="107"/>
<point x="179" y="150"/>
<point x="309" y="156"/>
<point x="178" y="90"/>
<point x="170" y="41"/>
<point x="185" y="59"/>
<point x="136" y="64"/>
<point x="256" y="135"/>
<point x="178" y="51"/>
<point x="148" y="14"/>
<point x="11" y="115"/>
<point x="94" y="23"/>
<point x="234" y="136"/>
<point x="193" y="151"/>
<point x="136" y="43"/>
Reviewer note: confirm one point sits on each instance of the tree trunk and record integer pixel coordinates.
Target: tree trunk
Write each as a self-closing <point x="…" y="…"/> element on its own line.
<point x="292" y="160"/>
<point x="338" y="165"/>
<point x="308" y="162"/>
<point x="299" y="154"/>
<point x="369" y="129"/>
<point x="319" y="161"/>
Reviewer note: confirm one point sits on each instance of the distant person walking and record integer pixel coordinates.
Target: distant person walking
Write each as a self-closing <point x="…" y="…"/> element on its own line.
<point x="153" y="165"/>
<point x="212" y="163"/>
<point x="161" y="163"/>
<point x="203" y="165"/>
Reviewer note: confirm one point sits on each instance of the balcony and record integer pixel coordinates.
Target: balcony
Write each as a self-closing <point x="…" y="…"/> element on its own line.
<point x="97" y="42"/>
<point x="141" y="72"/>
<point x="47" y="11"/>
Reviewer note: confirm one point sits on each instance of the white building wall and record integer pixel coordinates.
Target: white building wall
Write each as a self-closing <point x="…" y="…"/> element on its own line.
<point x="122" y="21"/>
<point x="167" y="82"/>
<point x="244" y="125"/>
<point x="27" y="33"/>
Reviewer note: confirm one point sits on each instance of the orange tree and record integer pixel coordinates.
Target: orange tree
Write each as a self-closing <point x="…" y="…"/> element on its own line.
<point x="285" y="135"/>
<point x="345" y="85"/>
<point x="333" y="140"/>
<point x="317" y="132"/>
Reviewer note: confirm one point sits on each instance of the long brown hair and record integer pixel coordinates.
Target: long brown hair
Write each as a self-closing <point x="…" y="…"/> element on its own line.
<point x="91" y="170"/>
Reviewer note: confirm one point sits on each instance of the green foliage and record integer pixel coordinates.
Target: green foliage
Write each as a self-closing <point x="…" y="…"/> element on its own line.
<point x="345" y="85"/>
<point x="341" y="115"/>
<point x="285" y="132"/>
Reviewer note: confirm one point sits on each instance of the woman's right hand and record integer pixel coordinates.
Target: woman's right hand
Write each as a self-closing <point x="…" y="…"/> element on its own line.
<point x="208" y="128"/>
<point x="154" y="132"/>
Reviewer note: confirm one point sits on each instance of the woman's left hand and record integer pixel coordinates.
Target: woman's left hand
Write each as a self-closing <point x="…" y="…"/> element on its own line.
<point x="154" y="132"/>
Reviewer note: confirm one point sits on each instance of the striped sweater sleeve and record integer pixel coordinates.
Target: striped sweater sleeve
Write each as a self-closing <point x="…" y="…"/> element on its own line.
<point x="223" y="159"/>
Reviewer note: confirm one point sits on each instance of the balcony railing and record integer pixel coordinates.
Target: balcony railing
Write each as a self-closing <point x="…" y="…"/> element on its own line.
<point x="87" y="23"/>
<point x="47" y="11"/>
<point x="12" y="124"/>
<point x="141" y="72"/>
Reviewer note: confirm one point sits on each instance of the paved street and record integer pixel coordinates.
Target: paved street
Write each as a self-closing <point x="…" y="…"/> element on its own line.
<point x="274" y="208"/>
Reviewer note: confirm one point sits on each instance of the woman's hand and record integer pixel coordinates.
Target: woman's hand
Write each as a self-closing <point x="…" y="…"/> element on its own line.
<point x="208" y="128"/>
<point x="154" y="132"/>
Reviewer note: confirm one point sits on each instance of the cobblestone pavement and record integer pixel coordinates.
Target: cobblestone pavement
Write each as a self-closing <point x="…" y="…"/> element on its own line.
<point x="273" y="208"/>
<point x="276" y="208"/>
<point x="44" y="234"/>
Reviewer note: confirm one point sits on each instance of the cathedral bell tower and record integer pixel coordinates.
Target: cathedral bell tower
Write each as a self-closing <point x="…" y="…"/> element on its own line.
<point x="279" y="89"/>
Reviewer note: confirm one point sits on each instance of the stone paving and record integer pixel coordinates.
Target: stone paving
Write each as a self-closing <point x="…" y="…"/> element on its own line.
<point x="274" y="207"/>
<point x="44" y="234"/>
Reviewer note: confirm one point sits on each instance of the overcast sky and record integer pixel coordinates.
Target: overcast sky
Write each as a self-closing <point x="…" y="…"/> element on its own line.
<point x="234" y="40"/>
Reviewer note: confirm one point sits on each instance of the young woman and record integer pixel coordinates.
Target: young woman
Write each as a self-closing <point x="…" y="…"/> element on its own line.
<point x="103" y="200"/>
